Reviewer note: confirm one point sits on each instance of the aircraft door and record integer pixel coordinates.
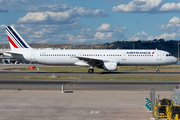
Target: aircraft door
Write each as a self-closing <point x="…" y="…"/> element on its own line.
<point x="33" y="59"/>
<point x="79" y="54"/>
<point x="158" y="56"/>
<point x="124" y="56"/>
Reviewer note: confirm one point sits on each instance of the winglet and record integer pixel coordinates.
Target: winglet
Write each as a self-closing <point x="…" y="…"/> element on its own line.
<point x="15" y="40"/>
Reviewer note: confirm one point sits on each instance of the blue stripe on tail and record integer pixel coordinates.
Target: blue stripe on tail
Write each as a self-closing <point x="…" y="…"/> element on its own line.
<point x="16" y="41"/>
<point x="17" y="37"/>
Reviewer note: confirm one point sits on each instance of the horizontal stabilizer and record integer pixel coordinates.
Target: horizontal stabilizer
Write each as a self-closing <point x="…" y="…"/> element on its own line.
<point x="14" y="52"/>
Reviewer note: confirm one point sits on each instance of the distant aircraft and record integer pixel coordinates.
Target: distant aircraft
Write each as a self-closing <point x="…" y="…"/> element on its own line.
<point x="105" y="59"/>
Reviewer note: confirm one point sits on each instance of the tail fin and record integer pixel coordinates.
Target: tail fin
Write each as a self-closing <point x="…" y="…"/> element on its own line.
<point x="15" y="40"/>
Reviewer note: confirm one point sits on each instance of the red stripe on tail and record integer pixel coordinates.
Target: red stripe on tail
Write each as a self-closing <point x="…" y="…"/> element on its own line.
<point x="10" y="40"/>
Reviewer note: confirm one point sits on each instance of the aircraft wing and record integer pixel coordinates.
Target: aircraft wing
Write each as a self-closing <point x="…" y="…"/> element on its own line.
<point x="93" y="61"/>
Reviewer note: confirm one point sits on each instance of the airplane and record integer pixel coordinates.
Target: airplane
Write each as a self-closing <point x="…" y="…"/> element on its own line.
<point x="108" y="60"/>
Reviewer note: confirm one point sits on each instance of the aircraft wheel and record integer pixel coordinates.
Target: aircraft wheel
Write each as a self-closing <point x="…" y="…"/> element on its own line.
<point x="90" y="71"/>
<point x="158" y="71"/>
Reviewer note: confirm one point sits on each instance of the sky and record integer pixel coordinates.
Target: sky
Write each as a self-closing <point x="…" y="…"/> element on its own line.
<point x="90" y="21"/>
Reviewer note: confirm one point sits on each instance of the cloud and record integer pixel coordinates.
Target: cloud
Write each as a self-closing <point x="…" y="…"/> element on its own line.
<point x="144" y="36"/>
<point x="18" y="2"/>
<point x="52" y="8"/>
<point x="139" y="36"/>
<point x="170" y="7"/>
<point x="41" y="33"/>
<point x="51" y="34"/>
<point x="3" y="35"/>
<point x="2" y="29"/>
<point x="171" y="29"/>
<point x="107" y="32"/>
<point x="172" y="26"/>
<point x="2" y="9"/>
<point x="105" y="27"/>
<point x="60" y="39"/>
<point x="54" y="34"/>
<point x="46" y="17"/>
<point x="147" y="6"/>
<point x="85" y="35"/>
<point x="167" y="36"/>
<point x="138" y="6"/>
<point x="100" y="35"/>
<point x="6" y="5"/>
<point x="108" y="28"/>
<point x="175" y="20"/>
<point x="65" y="17"/>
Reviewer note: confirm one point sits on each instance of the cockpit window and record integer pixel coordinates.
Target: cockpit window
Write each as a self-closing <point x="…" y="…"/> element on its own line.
<point x="167" y="55"/>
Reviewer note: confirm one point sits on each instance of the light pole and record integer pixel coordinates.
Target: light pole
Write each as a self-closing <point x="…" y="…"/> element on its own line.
<point x="178" y="52"/>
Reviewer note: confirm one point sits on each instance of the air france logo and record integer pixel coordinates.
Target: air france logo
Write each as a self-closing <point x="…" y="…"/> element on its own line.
<point x="140" y="53"/>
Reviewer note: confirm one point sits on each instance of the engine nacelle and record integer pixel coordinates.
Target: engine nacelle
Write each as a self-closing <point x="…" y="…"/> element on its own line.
<point x="110" y="66"/>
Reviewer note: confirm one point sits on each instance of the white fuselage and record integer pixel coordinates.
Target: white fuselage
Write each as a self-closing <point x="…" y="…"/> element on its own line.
<point x="121" y="57"/>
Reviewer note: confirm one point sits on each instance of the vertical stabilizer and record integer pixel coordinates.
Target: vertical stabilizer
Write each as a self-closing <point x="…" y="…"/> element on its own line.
<point x="15" y="40"/>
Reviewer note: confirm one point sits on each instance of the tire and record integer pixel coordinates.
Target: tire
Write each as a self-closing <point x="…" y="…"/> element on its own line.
<point x="158" y="71"/>
<point x="90" y="71"/>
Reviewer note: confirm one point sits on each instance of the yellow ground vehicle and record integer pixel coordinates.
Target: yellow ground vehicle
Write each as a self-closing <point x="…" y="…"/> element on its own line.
<point x="166" y="109"/>
<point x="160" y="107"/>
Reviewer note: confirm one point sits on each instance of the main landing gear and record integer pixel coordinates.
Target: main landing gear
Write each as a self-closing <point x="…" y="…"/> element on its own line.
<point x="91" y="70"/>
<point x="158" y="71"/>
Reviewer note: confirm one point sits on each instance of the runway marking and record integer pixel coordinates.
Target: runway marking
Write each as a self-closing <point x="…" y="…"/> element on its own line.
<point x="69" y="83"/>
<point x="77" y="83"/>
<point x="94" y="112"/>
<point x="9" y="110"/>
<point x="127" y="104"/>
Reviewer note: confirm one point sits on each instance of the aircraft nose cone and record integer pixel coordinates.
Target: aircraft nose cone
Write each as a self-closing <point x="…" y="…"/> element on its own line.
<point x="175" y="60"/>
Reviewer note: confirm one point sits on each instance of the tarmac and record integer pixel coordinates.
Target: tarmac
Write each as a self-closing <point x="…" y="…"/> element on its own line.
<point x="75" y="105"/>
<point x="84" y="85"/>
<point x="93" y="102"/>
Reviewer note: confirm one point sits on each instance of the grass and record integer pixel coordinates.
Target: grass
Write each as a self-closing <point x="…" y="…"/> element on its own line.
<point x="66" y="69"/>
<point x="109" y="78"/>
<point x="79" y="69"/>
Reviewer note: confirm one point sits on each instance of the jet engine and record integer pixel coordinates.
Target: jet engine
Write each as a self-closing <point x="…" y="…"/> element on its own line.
<point x="110" y="66"/>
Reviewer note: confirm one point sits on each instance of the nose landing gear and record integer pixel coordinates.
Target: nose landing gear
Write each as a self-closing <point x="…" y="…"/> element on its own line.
<point x="158" y="71"/>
